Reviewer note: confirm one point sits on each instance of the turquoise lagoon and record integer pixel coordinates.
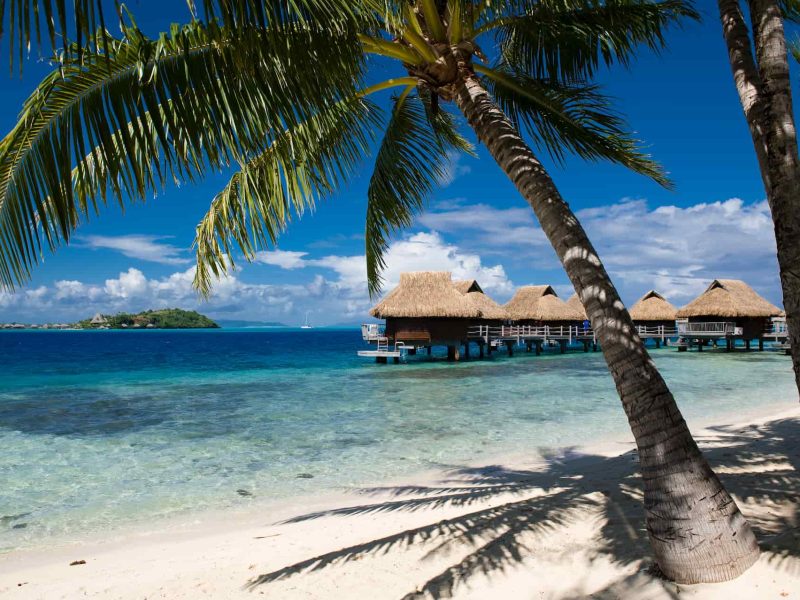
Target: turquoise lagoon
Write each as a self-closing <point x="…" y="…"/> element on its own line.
<point x="101" y="430"/>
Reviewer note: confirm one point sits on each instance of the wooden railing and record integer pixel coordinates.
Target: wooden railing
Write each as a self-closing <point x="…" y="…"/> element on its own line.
<point x="708" y="328"/>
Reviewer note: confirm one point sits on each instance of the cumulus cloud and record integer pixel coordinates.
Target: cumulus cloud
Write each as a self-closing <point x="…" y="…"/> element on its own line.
<point x="673" y="249"/>
<point x="143" y="247"/>
<point x="334" y="291"/>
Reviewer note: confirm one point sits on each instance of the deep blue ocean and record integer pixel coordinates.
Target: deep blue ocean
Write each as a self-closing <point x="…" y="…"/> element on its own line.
<point x="102" y="429"/>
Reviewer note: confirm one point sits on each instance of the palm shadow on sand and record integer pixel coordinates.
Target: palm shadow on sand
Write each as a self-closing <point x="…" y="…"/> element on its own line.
<point x="760" y="465"/>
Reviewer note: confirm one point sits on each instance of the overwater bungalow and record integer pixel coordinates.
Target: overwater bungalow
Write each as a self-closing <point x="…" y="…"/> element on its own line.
<point x="575" y="302"/>
<point x="541" y="315"/>
<point x="540" y="305"/>
<point x="654" y="317"/>
<point x="426" y="309"/>
<point x="492" y="315"/>
<point x="729" y="309"/>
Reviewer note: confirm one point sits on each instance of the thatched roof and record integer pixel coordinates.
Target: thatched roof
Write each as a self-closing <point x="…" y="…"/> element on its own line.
<point x="575" y="302"/>
<point x="653" y="307"/>
<point x="540" y="303"/>
<point x="425" y="294"/>
<point x="488" y="307"/>
<point x="729" y="298"/>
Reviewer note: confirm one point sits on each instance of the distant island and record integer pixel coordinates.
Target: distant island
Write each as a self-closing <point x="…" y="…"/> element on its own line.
<point x="168" y="318"/>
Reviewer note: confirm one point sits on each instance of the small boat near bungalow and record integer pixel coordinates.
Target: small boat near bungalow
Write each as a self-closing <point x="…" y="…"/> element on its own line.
<point x="429" y="309"/>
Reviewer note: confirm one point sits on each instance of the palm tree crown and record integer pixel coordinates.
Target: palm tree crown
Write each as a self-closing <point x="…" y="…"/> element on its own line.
<point x="280" y="90"/>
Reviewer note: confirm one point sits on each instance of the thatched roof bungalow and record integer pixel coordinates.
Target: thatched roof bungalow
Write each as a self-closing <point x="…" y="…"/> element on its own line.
<point x="427" y="309"/>
<point x="653" y="310"/>
<point x="731" y="300"/>
<point x="539" y="304"/>
<point x="490" y="310"/>
<point x="575" y="302"/>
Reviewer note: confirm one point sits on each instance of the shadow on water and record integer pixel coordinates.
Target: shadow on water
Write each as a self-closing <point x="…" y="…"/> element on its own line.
<point x="759" y="465"/>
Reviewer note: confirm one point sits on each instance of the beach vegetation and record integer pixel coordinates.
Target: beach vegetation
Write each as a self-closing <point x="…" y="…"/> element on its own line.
<point x="165" y="318"/>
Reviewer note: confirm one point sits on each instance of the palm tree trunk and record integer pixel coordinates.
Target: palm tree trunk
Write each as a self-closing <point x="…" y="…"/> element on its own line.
<point x="696" y="530"/>
<point x="765" y="93"/>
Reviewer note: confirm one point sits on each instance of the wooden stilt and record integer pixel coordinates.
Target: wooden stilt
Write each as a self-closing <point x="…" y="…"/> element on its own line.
<point x="538" y="348"/>
<point x="380" y="360"/>
<point x="699" y="346"/>
<point x="480" y="349"/>
<point x="747" y="345"/>
<point x="728" y="345"/>
<point x="585" y="346"/>
<point x="760" y="344"/>
<point x="396" y="360"/>
<point x="429" y="350"/>
<point x="510" y="346"/>
<point x="528" y="346"/>
<point x="466" y="350"/>
<point x="412" y="351"/>
<point x="658" y="343"/>
<point x="563" y="346"/>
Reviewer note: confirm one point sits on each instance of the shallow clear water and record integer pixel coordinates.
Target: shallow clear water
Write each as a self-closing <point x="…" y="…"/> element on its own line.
<point x="101" y="429"/>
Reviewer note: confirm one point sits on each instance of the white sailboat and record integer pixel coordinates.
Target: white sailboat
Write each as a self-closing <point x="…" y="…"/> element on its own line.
<point x="306" y="325"/>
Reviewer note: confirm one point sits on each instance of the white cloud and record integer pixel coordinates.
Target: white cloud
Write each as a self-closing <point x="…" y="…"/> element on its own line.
<point x="454" y="169"/>
<point x="285" y="259"/>
<point x="143" y="247"/>
<point x="675" y="250"/>
<point x="336" y="293"/>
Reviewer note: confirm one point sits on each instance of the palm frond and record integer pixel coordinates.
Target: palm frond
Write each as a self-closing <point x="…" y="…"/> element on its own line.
<point x="412" y="159"/>
<point x="568" y="40"/>
<point x="300" y="166"/>
<point x="154" y="110"/>
<point x="575" y="118"/>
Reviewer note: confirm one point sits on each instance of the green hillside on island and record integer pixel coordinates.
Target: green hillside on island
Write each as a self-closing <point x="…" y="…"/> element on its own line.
<point x="168" y="318"/>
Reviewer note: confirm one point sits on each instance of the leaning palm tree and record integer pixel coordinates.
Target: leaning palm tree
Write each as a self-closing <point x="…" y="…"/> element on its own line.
<point x="282" y="93"/>
<point x="765" y="93"/>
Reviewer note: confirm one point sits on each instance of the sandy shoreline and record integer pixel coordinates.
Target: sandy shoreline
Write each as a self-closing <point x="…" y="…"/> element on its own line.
<point x="564" y="525"/>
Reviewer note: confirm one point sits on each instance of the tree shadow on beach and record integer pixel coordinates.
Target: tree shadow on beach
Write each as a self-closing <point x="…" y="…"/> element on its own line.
<point x="508" y="511"/>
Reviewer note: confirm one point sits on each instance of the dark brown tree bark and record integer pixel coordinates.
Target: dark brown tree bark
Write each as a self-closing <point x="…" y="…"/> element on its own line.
<point x="696" y="529"/>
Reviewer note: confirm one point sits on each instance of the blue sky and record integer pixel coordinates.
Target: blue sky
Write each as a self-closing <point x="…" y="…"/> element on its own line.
<point x="681" y="103"/>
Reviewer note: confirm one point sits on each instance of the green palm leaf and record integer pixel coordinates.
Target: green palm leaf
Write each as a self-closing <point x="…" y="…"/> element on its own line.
<point x="568" y="40"/>
<point x="299" y="167"/>
<point x="573" y="118"/>
<point x="411" y="161"/>
<point x="154" y="110"/>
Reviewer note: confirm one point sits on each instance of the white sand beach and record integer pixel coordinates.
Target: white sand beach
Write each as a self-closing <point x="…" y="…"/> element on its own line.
<point x="562" y="526"/>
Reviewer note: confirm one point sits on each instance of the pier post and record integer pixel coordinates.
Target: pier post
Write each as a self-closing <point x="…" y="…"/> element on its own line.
<point x="563" y="345"/>
<point x="429" y="350"/>
<point x="510" y="346"/>
<point x="585" y="346"/>
<point x="396" y="360"/>
<point x="728" y="344"/>
<point x="466" y="350"/>
<point x="747" y="345"/>
<point x="528" y="346"/>
<point x="658" y="343"/>
<point x="594" y="346"/>
<point x="699" y="345"/>
<point x="480" y="349"/>
<point x="381" y="360"/>
<point x="538" y="348"/>
<point x="412" y="351"/>
<point x="453" y="353"/>
<point x="760" y="344"/>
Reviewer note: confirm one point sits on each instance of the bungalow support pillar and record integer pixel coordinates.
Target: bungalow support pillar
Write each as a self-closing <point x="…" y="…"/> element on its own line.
<point x="510" y="347"/>
<point x="466" y="350"/>
<point x="658" y="343"/>
<point x="480" y="349"/>
<point x="528" y="346"/>
<point x="747" y="345"/>
<point x="538" y="348"/>
<point x="430" y="348"/>
<point x="760" y="344"/>
<point x="563" y="346"/>
<point x="453" y="353"/>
